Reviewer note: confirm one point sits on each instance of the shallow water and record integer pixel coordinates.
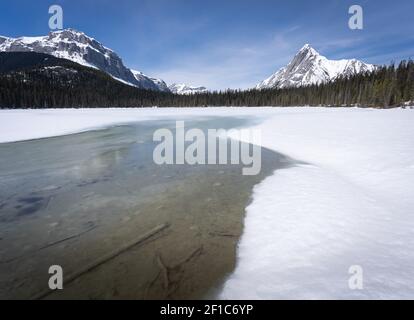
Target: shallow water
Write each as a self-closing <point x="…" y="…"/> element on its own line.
<point x="70" y="200"/>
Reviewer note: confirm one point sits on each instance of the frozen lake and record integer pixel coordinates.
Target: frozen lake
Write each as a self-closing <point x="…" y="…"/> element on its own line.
<point x="348" y="202"/>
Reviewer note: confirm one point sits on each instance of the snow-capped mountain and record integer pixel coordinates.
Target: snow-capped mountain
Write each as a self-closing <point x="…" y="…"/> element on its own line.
<point x="185" y="89"/>
<point x="309" y="67"/>
<point x="80" y="48"/>
<point x="162" y="86"/>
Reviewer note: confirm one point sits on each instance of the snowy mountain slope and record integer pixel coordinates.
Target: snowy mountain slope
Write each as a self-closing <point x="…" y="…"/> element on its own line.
<point x="80" y="48"/>
<point x="309" y="67"/>
<point x="139" y="76"/>
<point x="185" y="89"/>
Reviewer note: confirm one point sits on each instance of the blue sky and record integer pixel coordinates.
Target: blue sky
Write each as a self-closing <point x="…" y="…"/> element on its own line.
<point x="227" y="43"/>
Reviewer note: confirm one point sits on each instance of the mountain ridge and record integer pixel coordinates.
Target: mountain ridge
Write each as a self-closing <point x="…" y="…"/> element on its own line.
<point x="80" y="48"/>
<point x="183" y="89"/>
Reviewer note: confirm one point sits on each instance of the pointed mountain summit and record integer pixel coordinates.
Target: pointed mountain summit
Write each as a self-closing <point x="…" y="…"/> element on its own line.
<point x="76" y="46"/>
<point x="309" y="67"/>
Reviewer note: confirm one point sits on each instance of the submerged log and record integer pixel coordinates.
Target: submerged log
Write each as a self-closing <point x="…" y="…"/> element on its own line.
<point x="93" y="265"/>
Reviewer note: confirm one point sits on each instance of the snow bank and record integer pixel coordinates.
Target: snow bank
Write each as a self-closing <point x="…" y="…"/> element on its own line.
<point x="352" y="205"/>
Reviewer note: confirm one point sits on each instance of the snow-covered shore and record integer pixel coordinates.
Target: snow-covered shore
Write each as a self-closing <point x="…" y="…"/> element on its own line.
<point x="19" y="125"/>
<point x="351" y="204"/>
<point x="28" y="124"/>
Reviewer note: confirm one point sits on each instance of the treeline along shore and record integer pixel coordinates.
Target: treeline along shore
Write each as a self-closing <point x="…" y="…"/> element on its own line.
<point x="29" y="80"/>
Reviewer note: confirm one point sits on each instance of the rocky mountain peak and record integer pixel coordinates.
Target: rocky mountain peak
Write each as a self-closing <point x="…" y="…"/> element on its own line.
<point x="78" y="47"/>
<point x="309" y="67"/>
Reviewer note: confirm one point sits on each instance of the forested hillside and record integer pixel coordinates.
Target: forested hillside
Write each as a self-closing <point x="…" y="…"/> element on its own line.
<point x="32" y="80"/>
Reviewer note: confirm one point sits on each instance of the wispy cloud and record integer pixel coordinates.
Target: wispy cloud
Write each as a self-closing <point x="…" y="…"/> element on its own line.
<point x="221" y="64"/>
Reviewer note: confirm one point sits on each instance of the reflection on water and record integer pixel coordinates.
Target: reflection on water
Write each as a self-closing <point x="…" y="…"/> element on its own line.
<point x="68" y="200"/>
